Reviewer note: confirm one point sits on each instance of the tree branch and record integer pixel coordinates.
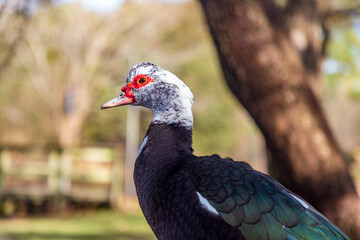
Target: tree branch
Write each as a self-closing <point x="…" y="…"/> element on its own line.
<point x="329" y="17"/>
<point x="2" y="7"/>
<point x="12" y="44"/>
<point x="326" y="31"/>
<point x="340" y="14"/>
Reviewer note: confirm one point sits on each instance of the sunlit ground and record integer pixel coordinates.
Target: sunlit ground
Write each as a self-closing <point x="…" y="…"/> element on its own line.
<point x="101" y="225"/>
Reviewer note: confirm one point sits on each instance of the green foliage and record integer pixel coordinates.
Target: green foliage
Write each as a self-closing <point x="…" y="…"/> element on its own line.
<point x="214" y="108"/>
<point x="342" y="83"/>
<point x="344" y="48"/>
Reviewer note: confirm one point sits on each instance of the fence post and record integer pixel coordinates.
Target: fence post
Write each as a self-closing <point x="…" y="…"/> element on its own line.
<point x="64" y="183"/>
<point x="1" y="179"/>
<point x="131" y="149"/>
<point x="4" y="164"/>
<point x="117" y="180"/>
<point x="54" y="179"/>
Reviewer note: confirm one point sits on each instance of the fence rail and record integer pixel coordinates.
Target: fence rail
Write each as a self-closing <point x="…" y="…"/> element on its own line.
<point x="81" y="175"/>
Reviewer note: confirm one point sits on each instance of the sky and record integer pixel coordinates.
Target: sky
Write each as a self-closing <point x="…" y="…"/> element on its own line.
<point x="105" y="6"/>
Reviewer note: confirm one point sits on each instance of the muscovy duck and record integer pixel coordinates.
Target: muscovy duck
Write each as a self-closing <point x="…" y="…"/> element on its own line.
<point x="187" y="197"/>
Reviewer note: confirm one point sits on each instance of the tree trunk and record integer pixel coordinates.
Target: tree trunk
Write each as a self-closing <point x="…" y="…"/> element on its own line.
<point x="270" y="58"/>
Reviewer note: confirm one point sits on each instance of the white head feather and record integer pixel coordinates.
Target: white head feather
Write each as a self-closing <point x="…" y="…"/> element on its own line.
<point x="168" y="97"/>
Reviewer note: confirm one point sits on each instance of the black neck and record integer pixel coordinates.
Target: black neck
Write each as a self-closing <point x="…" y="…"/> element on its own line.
<point x="170" y="137"/>
<point x="165" y="151"/>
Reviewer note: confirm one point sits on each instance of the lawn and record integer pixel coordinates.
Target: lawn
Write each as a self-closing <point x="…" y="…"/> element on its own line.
<point x="103" y="225"/>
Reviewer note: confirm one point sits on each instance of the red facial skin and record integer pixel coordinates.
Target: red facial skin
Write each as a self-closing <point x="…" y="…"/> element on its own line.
<point x="129" y="98"/>
<point x="138" y="82"/>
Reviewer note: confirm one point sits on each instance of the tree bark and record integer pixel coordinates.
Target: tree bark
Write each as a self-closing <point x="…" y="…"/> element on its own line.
<point x="270" y="69"/>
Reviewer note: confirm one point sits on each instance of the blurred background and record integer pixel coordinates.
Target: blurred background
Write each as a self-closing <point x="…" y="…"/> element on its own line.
<point x="66" y="166"/>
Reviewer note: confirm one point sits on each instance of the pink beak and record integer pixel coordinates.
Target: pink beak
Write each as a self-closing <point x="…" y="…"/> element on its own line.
<point x="120" y="100"/>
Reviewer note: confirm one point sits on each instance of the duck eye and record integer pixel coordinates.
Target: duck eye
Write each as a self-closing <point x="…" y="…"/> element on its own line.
<point x="142" y="80"/>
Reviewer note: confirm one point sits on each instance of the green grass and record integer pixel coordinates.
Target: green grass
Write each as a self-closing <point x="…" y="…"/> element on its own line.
<point x="103" y="225"/>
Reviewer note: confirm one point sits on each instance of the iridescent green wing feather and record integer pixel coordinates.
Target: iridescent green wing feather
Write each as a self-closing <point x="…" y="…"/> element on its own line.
<point x="257" y="204"/>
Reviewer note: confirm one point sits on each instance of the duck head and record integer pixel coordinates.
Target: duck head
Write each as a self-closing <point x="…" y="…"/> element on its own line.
<point x="160" y="91"/>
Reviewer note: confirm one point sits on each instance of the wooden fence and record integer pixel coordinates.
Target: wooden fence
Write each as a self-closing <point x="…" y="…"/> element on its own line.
<point x="80" y="175"/>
